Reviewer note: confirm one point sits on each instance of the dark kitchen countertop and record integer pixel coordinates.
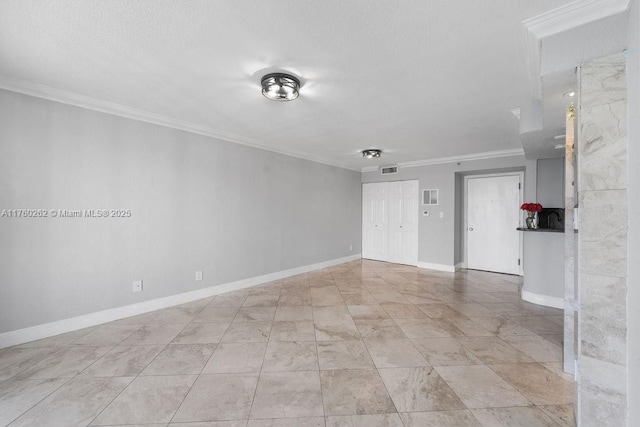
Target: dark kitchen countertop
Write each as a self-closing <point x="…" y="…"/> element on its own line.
<point x="540" y="230"/>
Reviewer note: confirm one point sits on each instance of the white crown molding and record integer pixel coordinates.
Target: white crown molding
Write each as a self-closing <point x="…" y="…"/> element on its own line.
<point x="370" y="169"/>
<point x="465" y="157"/>
<point x="65" y="97"/>
<point x="461" y="158"/>
<point x="46" y="330"/>
<point x="573" y="15"/>
<point x="563" y="18"/>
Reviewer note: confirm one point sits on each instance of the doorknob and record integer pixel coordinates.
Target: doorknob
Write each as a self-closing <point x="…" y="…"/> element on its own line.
<point x="470" y="228"/>
<point x="400" y="226"/>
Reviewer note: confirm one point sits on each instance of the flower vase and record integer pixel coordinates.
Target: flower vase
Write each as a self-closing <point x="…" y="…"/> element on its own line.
<point x="532" y="220"/>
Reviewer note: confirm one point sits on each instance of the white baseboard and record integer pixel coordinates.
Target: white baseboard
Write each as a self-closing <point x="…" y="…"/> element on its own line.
<point x="21" y="336"/>
<point x="439" y="267"/>
<point x="545" y="300"/>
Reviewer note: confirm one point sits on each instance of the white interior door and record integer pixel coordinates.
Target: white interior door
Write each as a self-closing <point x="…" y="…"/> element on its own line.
<point x="374" y="220"/>
<point x="493" y="243"/>
<point x="410" y="193"/>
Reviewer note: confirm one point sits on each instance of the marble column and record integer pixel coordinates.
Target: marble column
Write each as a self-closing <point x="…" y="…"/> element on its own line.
<point x="602" y="242"/>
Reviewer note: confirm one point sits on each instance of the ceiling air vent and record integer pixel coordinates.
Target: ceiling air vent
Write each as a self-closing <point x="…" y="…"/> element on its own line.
<point x="388" y="170"/>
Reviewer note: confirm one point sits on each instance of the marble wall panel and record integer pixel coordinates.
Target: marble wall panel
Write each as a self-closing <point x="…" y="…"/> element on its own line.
<point x="602" y="243"/>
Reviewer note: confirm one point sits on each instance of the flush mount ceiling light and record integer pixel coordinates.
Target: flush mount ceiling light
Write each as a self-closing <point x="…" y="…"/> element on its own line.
<point x="280" y="87"/>
<point x="371" y="153"/>
<point x="569" y="94"/>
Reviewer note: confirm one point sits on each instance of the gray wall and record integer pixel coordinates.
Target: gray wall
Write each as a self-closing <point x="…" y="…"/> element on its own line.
<point x="439" y="242"/>
<point x="530" y="181"/>
<point x="633" y="191"/>
<point x="550" y="183"/>
<point x="197" y="203"/>
<point x="544" y="264"/>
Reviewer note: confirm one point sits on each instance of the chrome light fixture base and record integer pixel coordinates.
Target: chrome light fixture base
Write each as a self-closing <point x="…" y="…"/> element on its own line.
<point x="280" y="87"/>
<point x="372" y="153"/>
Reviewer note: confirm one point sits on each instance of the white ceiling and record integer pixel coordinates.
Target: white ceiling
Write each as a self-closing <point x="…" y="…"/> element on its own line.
<point x="419" y="79"/>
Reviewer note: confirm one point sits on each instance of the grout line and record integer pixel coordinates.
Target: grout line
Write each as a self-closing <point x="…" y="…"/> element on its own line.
<point x="41" y="400"/>
<point x="114" y="398"/>
<point x="201" y="369"/>
<point x="184" y="398"/>
<point x="472" y="414"/>
<point x="266" y="347"/>
<point x="324" y="411"/>
<point x="138" y="374"/>
<point x="13" y="377"/>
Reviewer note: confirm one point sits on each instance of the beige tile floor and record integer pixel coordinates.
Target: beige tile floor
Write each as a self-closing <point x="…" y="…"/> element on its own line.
<point x="359" y="344"/>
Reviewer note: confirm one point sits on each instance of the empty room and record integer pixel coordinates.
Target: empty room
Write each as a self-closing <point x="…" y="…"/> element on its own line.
<point x="286" y="213"/>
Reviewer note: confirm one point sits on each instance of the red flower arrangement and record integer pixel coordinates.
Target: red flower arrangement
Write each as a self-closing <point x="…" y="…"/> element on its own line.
<point x="531" y="207"/>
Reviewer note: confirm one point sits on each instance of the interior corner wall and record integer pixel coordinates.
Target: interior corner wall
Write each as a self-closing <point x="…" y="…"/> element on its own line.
<point x="530" y="193"/>
<point x="196" y="203"/>
<point x="437" y="242"/>
<point x="550" y="182"/>
<point x="633" y="232"/>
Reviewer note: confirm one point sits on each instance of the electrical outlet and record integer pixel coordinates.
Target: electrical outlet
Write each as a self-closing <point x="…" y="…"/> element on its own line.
<point x="350" y="247"/>
<point x="198" y="276"/>
<point x="137" y="286"/>
<point x="441" y="214"/>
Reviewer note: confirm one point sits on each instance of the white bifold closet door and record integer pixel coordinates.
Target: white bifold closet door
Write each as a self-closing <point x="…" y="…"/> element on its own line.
<point x="390" y="221"/>
<point x="375" y="212"/>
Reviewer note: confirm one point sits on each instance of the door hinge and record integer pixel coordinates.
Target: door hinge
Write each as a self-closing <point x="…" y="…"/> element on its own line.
<point x="519" y="186"/>
<point x="518" y="261"/>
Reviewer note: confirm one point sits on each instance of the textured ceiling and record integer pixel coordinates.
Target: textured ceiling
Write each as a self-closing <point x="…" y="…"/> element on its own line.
<point x="419" y="79"/>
